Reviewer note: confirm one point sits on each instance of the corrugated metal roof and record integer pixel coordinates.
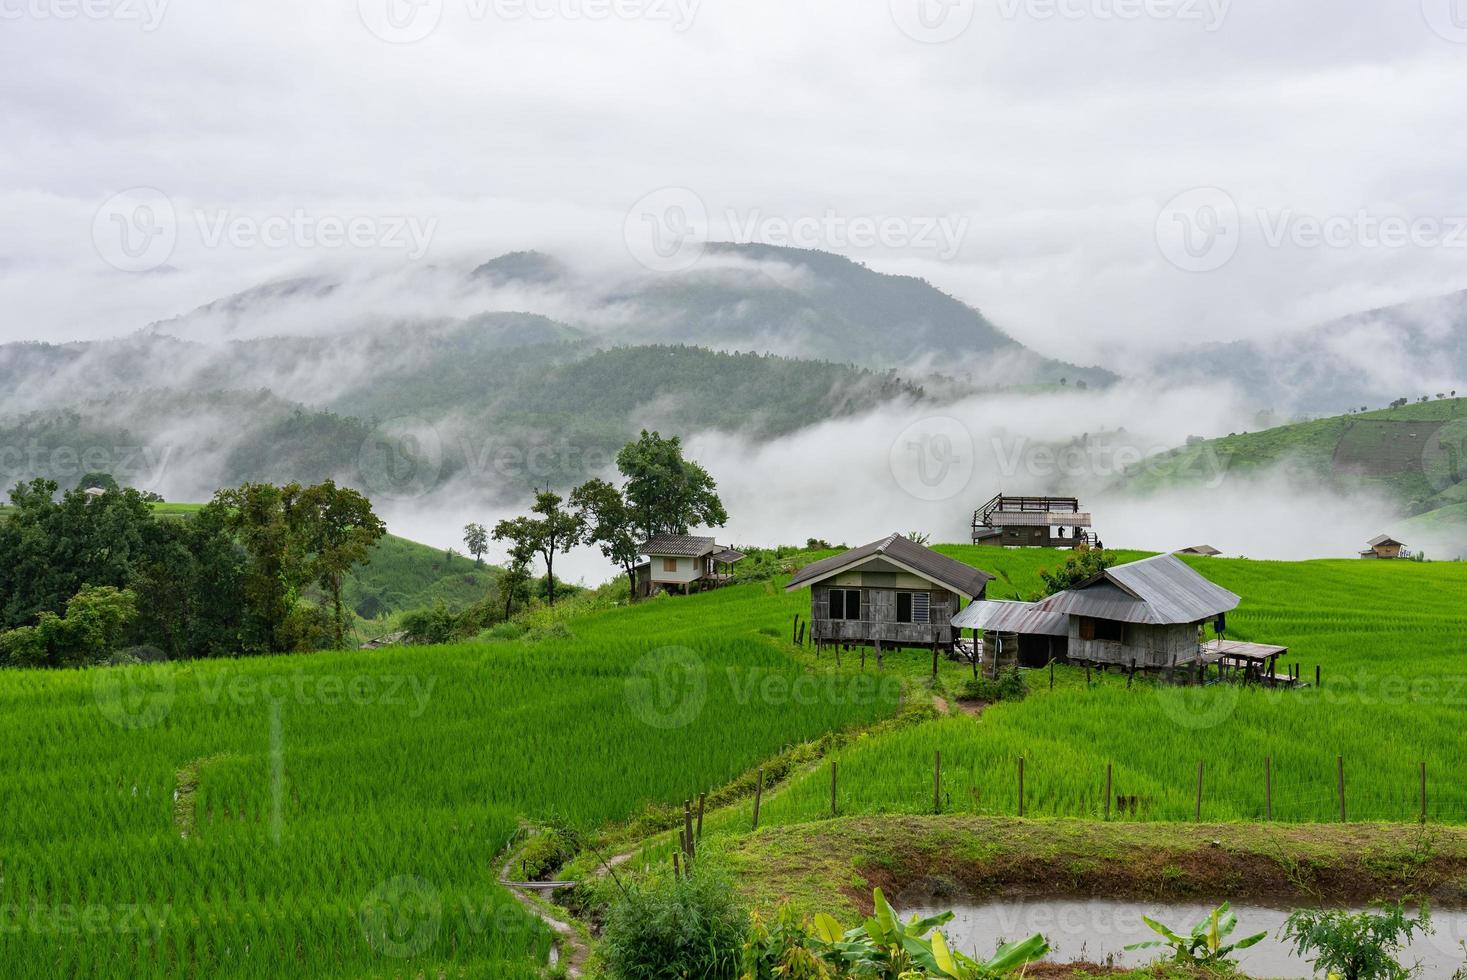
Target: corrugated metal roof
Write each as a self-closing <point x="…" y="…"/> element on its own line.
<point x="1033" y="519"/>
<point x="1028" y="618"/>
<point x="955" y="575"/>
<point x="1376" y="542"/>
<point x="1157" y="591"/>
<point x="728" y="555"/>
<point x="682" y="545"/>
<point x="1205" y="550"/>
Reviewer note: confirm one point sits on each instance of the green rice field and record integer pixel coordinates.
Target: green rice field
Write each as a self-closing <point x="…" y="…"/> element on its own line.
<point x="341" y="814"/>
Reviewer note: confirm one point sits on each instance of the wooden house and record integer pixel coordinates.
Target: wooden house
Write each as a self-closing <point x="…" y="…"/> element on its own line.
<point x="1032" y="522"/>
<point x="889" y="593"/>
<point x="1148" y="612"/>
<point x="683" y="563"/>
<point x="1016" y="634"/>
<point x="1385" y="546"/>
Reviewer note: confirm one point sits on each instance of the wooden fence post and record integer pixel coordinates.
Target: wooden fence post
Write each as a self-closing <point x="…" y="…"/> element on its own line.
<point x="1198" y="812"/>
<point x="1423" y="793"/>
<point x="1107" y="791"/>
<point x="1340" y="772"/>
<point x="1316" y="675"/>
<point x="934" y="660"/>
<point x="832" y="786"/>
<point x="1268" y="786"/>
<point x="1051" y="674"/>
<point x="1021" y="785"/>
<point x="702" y="802"/>
<point x="795" y="629"/>
<point x="758" y="795"/>
<point x="688" y="845"/>
<point x="937" y="782"/>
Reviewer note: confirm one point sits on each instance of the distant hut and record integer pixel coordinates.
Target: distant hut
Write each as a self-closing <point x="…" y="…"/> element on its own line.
<point x="889" y="593"/>
<point x="683" y="563"/>
<point x="1032" y="522"/>
<point x="1148" y="612"/>
<point x="1199" y="550"/>
<point x="1385" y="546"/>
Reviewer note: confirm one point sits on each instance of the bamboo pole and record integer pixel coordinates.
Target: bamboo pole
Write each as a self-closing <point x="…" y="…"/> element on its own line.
<point x="1340" y="774"/>
<point x="1268" y="785"/>
<point x="758" y="796"/>
<point x="1198" y="812"/>
<point x="1021" y="785"/>
<point x="937" y="782"/>
<point x="1107" y="791"/>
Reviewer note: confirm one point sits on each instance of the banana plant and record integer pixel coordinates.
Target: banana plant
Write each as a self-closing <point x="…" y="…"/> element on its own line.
<point x="1206" y="944"/>
<point x="884" y="947"/>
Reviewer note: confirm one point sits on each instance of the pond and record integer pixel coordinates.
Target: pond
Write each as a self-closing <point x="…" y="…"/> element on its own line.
<point x="1098" y="930"/>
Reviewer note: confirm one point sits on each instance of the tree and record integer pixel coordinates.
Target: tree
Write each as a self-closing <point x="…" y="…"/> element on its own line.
<point x="609" y="523"/>
<point x="258" y="515"/>
<point x="1081" y="566"/>
<point x="667" y="493"/>
<point x="92" y="628"/>
<point x="522" y="533"/>
<point x="476" y="539"/>
<point x="335" y="530"/>
<point x="558" y="531"/>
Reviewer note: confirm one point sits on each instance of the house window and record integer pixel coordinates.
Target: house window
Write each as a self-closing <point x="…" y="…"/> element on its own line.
<point x="845" y="603"/>
<point x="669" y="564"/>
<point x="1102" y="629"/>
<point x="912" y="607"/>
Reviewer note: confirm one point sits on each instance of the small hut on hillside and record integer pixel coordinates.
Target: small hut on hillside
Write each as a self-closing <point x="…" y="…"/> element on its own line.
<point x="1385" y="546"/>
<point x="683" y="563"/>
<point x="1032" y="522"/>
<point x="1200" y="551"/>
<point x="889" y="593"/>
<point x="1149" y="612"/>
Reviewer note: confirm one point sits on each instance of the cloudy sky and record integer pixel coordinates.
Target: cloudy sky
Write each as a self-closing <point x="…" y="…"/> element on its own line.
<point x="1099" y="176"/>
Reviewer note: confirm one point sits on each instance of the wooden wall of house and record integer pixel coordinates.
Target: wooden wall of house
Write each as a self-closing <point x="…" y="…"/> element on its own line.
<point x="878" y="618"/>
<point x="1149" y="646"/>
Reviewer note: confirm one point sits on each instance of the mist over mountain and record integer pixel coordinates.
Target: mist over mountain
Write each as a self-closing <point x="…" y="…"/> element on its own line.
<point x="1367" y="359"/>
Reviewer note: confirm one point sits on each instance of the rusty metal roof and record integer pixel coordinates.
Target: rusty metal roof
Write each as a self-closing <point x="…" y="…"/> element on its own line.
<point x="1028" y="618"/>
<point x="961" y="578"/>
<point x="682" y="545"/>
<point x="1157" y="591"/>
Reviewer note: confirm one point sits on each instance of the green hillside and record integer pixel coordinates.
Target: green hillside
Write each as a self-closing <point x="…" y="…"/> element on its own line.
<point x="281" y="810"/>
<point x="1416" y="455"/>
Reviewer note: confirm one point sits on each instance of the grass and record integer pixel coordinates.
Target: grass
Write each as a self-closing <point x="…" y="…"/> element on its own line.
<point x="343" y="808"/>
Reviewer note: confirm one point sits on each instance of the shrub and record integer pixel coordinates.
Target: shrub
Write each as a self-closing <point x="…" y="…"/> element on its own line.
<point x="1356" y="945"/>
<point x="687" y="927"/>
<point x="1010" y="686"/>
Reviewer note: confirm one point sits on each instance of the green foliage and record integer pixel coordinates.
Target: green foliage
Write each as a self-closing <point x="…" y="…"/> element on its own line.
<point x="1080" y="565"/>
<point x="668" y="494"/>
<point x="681" y="928"/>
<point x="882" y="948"/>
<point x="1207" y="944"/>
<point x="610" y="524"/>
<point x="1356" y="945"/>
<point x="476" y="539"/>
<point x="92" y="630"/>
<point x="1011" y="685"/>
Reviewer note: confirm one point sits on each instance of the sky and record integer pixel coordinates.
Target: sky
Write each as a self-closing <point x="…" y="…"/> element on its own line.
<point x="1101" y="177"/>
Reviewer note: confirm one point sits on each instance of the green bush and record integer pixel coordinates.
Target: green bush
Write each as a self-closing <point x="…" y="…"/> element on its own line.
<point x="1010" y="686"/>
<point x="1356" y="945"/>
<point x="684" y="928"/>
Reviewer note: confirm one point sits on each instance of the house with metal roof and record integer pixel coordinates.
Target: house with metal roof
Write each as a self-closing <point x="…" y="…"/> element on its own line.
<point x="1033" y="522"/>
<point x="1385" y="546"/>
<point x="1199" y="551"/>
<point x="683" y="563"/>
<point x="1148" y="613"/>
<point x="888" y="594"/>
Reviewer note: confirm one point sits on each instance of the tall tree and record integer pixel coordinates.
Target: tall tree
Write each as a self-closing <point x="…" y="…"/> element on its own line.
<point x="667" y="493"/>
<point x="559" y="530"/>
<point x="335" y="530"/>
<point x="609" y="523"/>
<point x="476" y="539"/>
<point x="258" y="514"/>
<point x="523" y="536"/>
